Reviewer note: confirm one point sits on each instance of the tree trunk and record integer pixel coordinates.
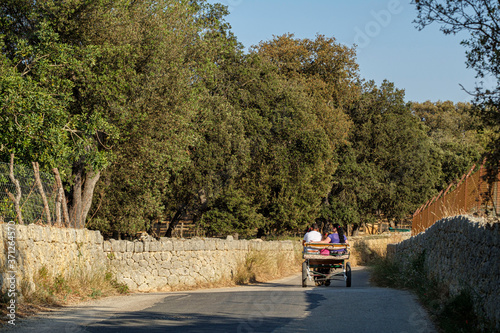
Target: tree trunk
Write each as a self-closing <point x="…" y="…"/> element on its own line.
<point x="82" y="193"/>
<point x="355" y="229"/>
<point x="175" y="220"/>
<point x="75" y="209"/>
<point x="91" y="179"/>
<point x="62" y="197"/>
<point x="17" y="198"/>
<point x="36" y="169"/>
<point x="58" y="209"/>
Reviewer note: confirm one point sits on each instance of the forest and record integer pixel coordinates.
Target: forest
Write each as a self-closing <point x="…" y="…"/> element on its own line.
<point x="152" y="110"/>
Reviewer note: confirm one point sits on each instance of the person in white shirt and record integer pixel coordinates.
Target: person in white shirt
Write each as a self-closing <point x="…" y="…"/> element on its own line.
<point x="313" y="235"/>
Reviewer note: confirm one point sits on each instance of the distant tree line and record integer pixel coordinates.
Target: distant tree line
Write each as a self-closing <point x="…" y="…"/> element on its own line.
<point x="151" y="110"/>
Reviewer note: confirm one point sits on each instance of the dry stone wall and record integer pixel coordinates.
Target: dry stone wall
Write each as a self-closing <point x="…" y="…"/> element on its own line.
<point x="58" y="251"/>
<point x="147" y="265"/>
<point x="169" y="263"/>
<point x="462" y="253"/>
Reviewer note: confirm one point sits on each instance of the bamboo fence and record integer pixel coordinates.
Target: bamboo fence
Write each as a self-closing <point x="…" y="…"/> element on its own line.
<point x="471" y="194"/>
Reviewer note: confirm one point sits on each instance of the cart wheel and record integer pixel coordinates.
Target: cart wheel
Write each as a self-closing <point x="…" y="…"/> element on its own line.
<point x="327" y="283"/>
<point x="304" y="274"/>
<point x="348" y="274"/>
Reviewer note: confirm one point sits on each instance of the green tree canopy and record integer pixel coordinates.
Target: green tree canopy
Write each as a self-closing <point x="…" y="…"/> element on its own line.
<point x="389" y="166"/>
<point x="456" y="130"/>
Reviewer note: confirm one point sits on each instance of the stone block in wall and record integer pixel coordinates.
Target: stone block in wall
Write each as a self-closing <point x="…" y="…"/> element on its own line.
<point x="178" y="245"/>
<point x="130" y="283"/>
<point x="69" y="235"/>
<point x="129" y="246"/>
<point x="187" y="280"/>
<point x="220" y="244"/>
<point x="156" y="283"/>
<point x="165" y="265"/>
<point x="200" y="245"/>
<point x="255" y="244"/>
<point x="46" y="234"/>
<point x="115" y="245"/>
<point x="130" y="263"/>
<point x="79" y="237"/>
<point x="34" y="232"/>
<point x="152" y="261"/>
<point x="137" y="256"/>
<point x="187" y="245"/>
<point x="146" y="245"/>
<point x="121" y="246"/>
<point x="21" y="231"/>
<point x="166" y="256"/>
<point x="138" y="247"/>
<point x="190" y="245"/>
<point x="243" y="245"/>
<point x="176" y="262"/>
<point x="161" y="283"/>
<point x="166" y="244"/>
<point x="143" y="287"/>
<point x="106" y="246"/>
<point x="153" y="246"/>
<point x="164" y="272"/>
<point x="288" y="245"/>
<point x="173" y="280"/>
<point x="210" y="244"/>
<point x="235" y="245"/>
<point x="90" y="236"/>
<point x="98" y="237"/>
<point x="138" y="278"/>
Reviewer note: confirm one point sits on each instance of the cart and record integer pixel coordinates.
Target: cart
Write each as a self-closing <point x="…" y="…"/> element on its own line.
<point x="321" y="268"/>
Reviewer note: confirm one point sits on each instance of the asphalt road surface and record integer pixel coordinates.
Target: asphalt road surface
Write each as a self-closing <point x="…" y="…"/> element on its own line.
<point x="278" y="306"/>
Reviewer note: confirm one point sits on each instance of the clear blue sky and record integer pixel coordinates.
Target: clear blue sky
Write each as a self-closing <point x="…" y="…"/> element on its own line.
<point x="427" y="64"/>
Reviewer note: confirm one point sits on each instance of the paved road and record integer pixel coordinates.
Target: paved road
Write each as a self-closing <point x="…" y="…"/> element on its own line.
<point x="280" y="306"/>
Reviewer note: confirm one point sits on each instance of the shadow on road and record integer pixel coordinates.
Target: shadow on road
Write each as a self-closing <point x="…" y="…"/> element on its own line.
<point x="280" y="306"/>
<point x="239" y="311"/>
<point x="262" y="307"/>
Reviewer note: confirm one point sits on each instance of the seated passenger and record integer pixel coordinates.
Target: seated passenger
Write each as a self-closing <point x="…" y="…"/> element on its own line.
<point x="336" y="236"/>
<point x="312" y="236"/>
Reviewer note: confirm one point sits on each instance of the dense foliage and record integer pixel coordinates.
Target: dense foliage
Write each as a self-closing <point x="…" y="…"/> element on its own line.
<point x="152" y="111"/>
<point x="479" y="20"/>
